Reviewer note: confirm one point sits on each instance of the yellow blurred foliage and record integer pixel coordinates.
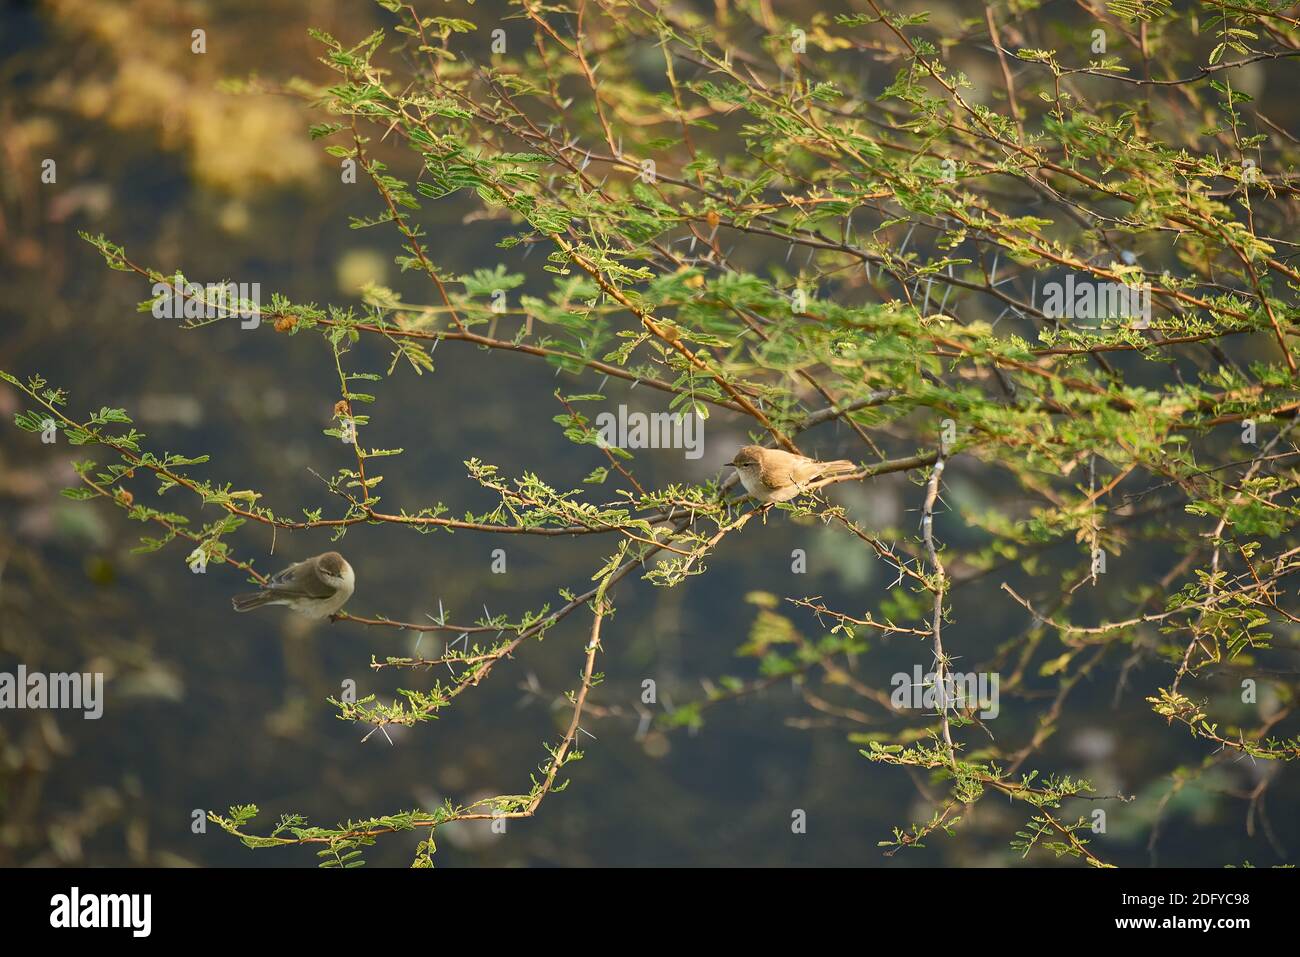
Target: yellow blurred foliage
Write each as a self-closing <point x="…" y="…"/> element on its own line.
<point x="148" y="78"/>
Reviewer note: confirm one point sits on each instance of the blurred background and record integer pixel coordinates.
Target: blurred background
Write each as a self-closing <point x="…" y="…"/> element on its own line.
<point x="208" y="709"/>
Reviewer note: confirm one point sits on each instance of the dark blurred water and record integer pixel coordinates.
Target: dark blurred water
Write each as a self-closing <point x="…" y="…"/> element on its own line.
<point x="207" y="709"/>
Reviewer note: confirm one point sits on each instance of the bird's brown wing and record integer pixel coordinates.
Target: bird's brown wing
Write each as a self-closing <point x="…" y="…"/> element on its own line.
<point x="775" y="478"/>
<point x="805" y="470"/>
<point x="299" y="581"/>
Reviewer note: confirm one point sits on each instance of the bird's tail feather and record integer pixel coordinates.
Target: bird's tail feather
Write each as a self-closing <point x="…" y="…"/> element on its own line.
<point x="253" y="600"/>
<point x="838" y="466"/>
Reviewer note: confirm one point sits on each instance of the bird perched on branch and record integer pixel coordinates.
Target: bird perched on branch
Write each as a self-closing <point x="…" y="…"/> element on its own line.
<point x="774" y="475"/>
<point x="315" y="588"/>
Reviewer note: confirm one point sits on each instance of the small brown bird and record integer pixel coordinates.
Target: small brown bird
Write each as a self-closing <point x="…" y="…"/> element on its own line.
<point x="773" y="475"/>
<point x="315" y="588"/>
